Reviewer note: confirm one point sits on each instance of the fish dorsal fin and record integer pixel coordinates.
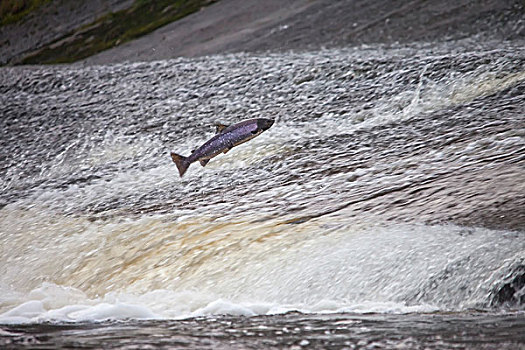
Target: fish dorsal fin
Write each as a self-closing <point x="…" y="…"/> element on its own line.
<point x="220" y="127"/>
<point x="204" y="161"/>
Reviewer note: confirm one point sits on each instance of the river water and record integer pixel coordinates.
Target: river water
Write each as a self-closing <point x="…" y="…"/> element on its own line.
<point x="384" y="207"/>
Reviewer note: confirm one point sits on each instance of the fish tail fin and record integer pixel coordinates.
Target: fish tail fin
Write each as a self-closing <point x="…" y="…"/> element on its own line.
<point x="181" y="162"/>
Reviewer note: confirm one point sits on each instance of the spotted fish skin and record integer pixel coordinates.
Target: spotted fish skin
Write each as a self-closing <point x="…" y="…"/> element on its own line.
<point x="226" y="138"/>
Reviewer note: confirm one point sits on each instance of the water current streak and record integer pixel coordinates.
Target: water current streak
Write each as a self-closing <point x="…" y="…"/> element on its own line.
<point x="349" y="126"/>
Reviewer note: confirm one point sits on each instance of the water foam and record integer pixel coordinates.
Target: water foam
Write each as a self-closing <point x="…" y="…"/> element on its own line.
<point x="46" y="304"/>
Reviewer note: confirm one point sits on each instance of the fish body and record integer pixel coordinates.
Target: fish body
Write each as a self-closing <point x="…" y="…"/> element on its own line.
<point x="226" y="138"/>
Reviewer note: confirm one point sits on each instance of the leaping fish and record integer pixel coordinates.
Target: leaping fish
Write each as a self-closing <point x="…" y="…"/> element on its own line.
<point x="226" y="138"/>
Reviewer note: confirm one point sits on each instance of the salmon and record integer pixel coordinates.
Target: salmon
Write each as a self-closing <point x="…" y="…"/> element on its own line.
<point x="225" y="139"/>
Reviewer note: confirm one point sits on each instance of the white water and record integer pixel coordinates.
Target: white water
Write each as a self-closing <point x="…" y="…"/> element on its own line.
<point x="297" y="219"/>
<point x="154" y="268"/>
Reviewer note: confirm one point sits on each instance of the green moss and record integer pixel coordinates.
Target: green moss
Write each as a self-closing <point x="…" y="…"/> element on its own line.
<point x="14" y="10"/>
<point x="114" y="29"/>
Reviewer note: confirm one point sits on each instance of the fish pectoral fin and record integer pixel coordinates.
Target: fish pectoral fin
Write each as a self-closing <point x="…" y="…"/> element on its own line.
<point x="226" y="150"/>
<point x="219" y="128"/>
<point x="204" y="161"/>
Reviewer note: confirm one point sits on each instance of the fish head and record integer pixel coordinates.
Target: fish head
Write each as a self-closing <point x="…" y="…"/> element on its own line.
<point x="264" y="124"/>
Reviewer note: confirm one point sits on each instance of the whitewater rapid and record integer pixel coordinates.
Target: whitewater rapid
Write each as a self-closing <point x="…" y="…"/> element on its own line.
<point x="392" y="181"/>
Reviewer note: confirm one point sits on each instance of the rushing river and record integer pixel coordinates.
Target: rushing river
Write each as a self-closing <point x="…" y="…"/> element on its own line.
<point x="385" y="207"/>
